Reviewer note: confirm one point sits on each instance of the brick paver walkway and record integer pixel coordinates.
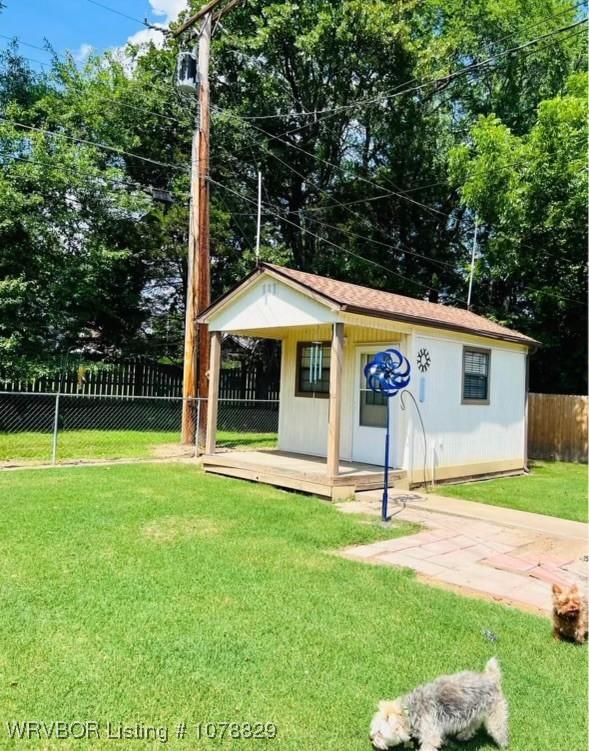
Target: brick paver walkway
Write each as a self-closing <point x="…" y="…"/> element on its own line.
<point x="512" y="564"/>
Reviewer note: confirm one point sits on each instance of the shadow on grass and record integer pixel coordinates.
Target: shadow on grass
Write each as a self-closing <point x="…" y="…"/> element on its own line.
<point x="229" y="439"/>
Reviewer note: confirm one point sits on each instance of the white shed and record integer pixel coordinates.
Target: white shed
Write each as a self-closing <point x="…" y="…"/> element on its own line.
<point x="468" y="381"/>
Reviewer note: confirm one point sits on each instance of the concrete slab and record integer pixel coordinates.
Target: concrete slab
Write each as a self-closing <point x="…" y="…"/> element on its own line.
<point x="508" y="563"/>
<point x="507" y="556"/>
<point x="579" y="568"/>
<point x="405" y="560"/>
<point x="440" y="547"/>
<point x="457" y="559"/>
<point x="549" y="525"/>
<point x="551" y="575"/>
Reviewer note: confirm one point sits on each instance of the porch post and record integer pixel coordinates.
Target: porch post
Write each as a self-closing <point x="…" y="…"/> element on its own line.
<point x="213" y="401"/>
<point x="335" y="399"/>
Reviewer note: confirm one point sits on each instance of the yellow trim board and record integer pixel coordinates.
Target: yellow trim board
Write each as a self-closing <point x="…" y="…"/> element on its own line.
<point x="463" y="471"/>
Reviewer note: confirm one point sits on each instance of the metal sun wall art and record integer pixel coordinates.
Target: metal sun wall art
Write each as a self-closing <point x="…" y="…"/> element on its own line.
<point x="387" y="374"/>
<point x="423" y="360"/>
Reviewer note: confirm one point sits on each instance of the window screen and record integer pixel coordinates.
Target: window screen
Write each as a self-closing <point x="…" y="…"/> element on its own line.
<point x="475" y="376"/>
<point x="313" y="360"/>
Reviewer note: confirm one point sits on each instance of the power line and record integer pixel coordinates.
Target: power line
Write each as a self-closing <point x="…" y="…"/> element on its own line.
<point x="401" y="194"/>
<point x="451" y="268"/>
<point x="142" y="109"/>
<point x="342" y="205"/>
<point x="25" y="44"/>
<point x="493" y="41"/>
<point x="403" y="249"/>
<point x="409" y="190"/>
<point x="42" y="63"/>
<point x="335" y="166"/>
<point x="371" y="199"/>
<point x="336" y="110"/>
<point x="233" y="216"/>
<point x="295" y="114"/>
<point x="118" y="13"/>
<point x="542" y="20"/>
<point x="391" y="247"/>
<point x="16" y="176"/>
<point x="104" y="146"/>
<point x="282" y="218"/>
<point x="274" y="137"/>
<point x="86" y="142"/>
<point x="397" y="249"/>
<point x="336" y="246"/>
<point x="442" y="79"/>
<point x="98" y="176"/>
<point x="106" y="98"/>
<point x="347" y="171"/>
<point x="326" y="117"/>
<point x="342" y="169"/>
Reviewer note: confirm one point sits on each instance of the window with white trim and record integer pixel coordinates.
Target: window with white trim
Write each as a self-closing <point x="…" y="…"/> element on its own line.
<point x="313" y="361"/>
<point x="476" y="364"/>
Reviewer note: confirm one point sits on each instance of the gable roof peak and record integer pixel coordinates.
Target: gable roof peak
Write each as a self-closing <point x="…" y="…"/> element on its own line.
<point x="378" y="303"/>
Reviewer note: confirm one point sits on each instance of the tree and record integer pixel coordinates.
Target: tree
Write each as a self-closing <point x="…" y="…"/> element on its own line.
<point x="530" y="193"/>
<point x="322" y="57"/>
<point x="352" y="109"/>
<point x="69" y="278"/>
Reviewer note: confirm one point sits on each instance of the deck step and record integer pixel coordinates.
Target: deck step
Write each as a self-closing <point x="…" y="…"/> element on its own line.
<point x="301" y="473"/>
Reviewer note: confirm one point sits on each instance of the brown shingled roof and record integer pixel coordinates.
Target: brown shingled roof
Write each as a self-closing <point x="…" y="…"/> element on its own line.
<point x="381" y="304"/>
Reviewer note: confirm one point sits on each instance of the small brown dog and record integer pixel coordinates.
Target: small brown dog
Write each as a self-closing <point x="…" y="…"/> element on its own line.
<point x="569" y="614"/>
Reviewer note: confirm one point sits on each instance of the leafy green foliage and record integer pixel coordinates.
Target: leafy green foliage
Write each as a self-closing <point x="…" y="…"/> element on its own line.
<point x="67" y="235"/>
<point x="530" y="192"/>
<point x="362" y="141"/>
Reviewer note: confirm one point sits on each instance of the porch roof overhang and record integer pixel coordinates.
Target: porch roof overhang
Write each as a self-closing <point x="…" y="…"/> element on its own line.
<point x="337" y="301"/>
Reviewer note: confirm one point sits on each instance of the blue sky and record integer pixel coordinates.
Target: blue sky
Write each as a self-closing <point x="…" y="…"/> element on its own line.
<point x="77" y="25"/>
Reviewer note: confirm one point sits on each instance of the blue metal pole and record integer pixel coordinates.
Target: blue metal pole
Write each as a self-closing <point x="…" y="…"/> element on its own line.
<point x="385" y="492"/>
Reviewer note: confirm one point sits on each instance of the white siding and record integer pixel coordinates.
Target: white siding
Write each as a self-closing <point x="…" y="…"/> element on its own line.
<point x="302" y="425"/>
<point x="269" y="304"/>
<point x="457" y="434"/>
<point x="461" y="434"/>
<point x="303" y="420"/>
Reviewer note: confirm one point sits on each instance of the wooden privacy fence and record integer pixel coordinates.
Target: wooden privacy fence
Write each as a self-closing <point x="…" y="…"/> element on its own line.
<point x="557" y="427"/>
<point x="142" y="377"/>
<point x="247" y="383"/>
<point x="134" y="377"/>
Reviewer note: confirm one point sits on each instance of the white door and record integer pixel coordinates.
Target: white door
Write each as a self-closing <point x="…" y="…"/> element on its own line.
<point x="370" y="415"/>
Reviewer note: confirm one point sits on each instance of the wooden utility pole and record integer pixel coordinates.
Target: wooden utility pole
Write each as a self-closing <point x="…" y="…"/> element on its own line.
<point x="472" y="262"/>
<point x="198" y="297"/>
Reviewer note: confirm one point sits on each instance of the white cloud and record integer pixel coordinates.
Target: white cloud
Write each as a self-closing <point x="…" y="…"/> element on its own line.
<point x="144" y="36"/>
<point x="82" y="54"/>
<point x="167" y="10"/>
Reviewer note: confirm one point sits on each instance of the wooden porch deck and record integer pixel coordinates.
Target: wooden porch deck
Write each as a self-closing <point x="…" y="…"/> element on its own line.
<point x="301" y="472"/>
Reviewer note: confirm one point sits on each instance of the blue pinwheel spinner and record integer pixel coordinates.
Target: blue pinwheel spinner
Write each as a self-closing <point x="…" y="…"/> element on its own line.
<point x="387" y="373"/>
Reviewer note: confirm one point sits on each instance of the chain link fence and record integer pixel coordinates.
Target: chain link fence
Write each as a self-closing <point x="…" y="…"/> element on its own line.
<point x="247" y="423"/>
<point x="38" y="428"/>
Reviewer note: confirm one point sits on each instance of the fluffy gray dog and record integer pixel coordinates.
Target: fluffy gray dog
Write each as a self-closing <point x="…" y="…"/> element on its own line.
<point x="452" y="705"/>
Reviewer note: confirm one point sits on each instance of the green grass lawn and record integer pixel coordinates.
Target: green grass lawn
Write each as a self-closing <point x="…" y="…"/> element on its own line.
<point x="155" y="594"/>
<point x="73" y="445"/>
<point x="552" y="488"/>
